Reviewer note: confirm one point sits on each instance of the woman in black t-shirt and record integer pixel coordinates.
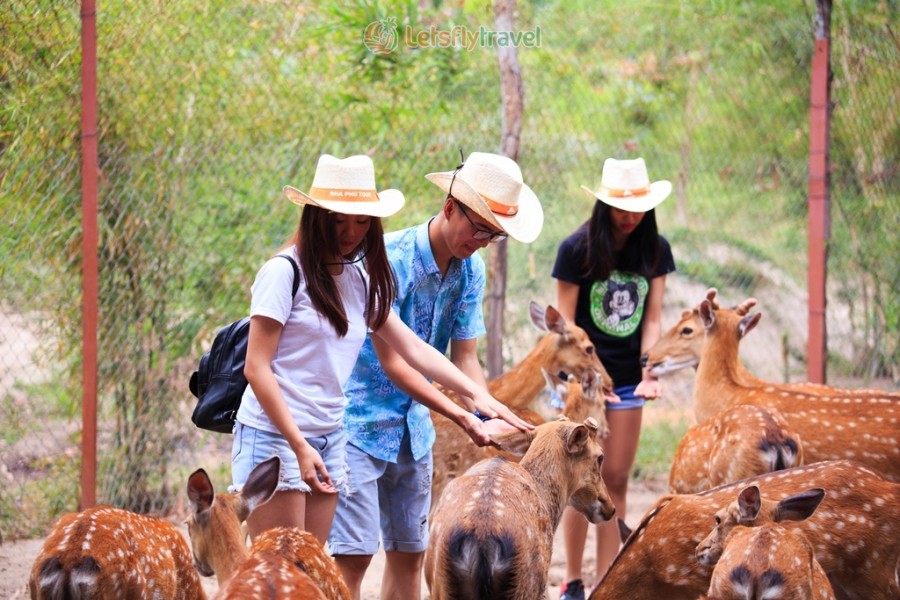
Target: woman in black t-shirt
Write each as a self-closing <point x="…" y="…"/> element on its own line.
<point x="611" y="277"/>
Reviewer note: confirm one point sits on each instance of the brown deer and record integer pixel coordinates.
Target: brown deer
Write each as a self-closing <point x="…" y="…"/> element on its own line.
<point x="108" y="553"/>
<point x="275" y="556"/>
<point x="214" y="525"/>
<point x="739" y="442"/>
<point x="566" y="348"/>
<point x="768" y="562"/>
<point x="855" y="533"/>
<point x="752" y="552"/>
<point x="866" y="429"/>
<point x="290" y="561"/>
<point x="682" y="345"/>
<point x="492" y="531"/>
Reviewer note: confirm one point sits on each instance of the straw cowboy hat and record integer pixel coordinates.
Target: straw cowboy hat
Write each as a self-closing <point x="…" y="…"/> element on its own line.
<point x="347" y="186"/>
<point x="491" y="185"/>
<point x="624" y="184"/>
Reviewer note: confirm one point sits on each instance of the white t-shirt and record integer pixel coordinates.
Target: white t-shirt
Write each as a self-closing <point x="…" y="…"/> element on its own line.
<point x="311" y="362"/>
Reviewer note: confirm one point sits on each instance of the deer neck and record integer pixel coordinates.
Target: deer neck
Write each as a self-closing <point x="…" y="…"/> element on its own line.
<point x="719" y="374"/>
<point x="521" y="384"/>
<point x="548" y="486"/>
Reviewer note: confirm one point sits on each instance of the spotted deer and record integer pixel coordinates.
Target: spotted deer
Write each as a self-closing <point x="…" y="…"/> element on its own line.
<point x="866" y="429"/>
<point x="682" y="345"/>
<point x="492" y="531"/>
<point x="214" y="525"/>
<point x="108" y="553"/>
<point x="220" y="549"/>
<point x="855" y="533"/>
<point x="566" y="348"/>
<point x="768" y="562"/>
<point x="752" y="552"/>
<point x="739" y="442"/>
<point x="290" y="561"/>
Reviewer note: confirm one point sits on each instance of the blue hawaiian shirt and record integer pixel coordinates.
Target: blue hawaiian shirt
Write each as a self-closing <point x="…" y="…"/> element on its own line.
<point x="437" y="310"/>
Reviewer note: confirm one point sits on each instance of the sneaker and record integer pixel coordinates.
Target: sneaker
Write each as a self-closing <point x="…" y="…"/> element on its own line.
<point x="573" y="590"/>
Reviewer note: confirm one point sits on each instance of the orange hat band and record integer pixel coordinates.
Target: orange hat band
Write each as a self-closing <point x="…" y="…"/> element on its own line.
<point x="499" y="208"/>
<point x="625" y="193"/>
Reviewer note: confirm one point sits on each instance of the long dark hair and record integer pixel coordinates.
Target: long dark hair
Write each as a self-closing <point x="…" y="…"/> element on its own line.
<point x="641" y="247"/>
<point x="315" y="239"/>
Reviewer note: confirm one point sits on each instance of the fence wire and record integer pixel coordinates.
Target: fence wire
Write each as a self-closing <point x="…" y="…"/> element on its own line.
<point x="208" y="108"/>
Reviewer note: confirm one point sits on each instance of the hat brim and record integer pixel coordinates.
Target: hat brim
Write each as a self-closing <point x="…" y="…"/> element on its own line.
<point x="389" y="202"/>
<point x="524" y="226"/>
<point x="659" y="191"/>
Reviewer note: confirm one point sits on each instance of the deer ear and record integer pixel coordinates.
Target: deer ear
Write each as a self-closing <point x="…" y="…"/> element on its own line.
<point x="707" y="314"/>
<point x="200" y="492"/>
<point x="748" y="323"/>
<point x="624" y="530"/>
<point x="261" y="483"/>
<point x="800" y="506"/>
<point x="749" y="503"/>
<point x="577" y="437"/>
<point x="555" y="321"/>
<point x="537" y="316"/>
<point x="515" y="442"/>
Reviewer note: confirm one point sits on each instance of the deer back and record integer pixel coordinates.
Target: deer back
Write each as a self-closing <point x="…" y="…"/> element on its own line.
<point x="109" y="553"/>
<point x="852" y="532"/>
<point x="290" y="560"/>
<point x="865" y="429"/>
<point x="767" y="562"/>
<point x="492" y="531"/>
<point x="737" y="443"/>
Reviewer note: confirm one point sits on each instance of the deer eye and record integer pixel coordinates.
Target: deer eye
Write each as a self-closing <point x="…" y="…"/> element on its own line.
<point x="687" y="331"/>
<point x="718" y="521"/>
<point x="589" y="350"/>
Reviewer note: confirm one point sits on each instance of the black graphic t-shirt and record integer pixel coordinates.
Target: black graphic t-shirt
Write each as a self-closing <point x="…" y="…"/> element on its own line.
<point x="611" y="311"/>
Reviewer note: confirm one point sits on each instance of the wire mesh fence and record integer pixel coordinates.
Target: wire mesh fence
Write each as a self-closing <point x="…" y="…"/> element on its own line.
<point x="208" y="108"/>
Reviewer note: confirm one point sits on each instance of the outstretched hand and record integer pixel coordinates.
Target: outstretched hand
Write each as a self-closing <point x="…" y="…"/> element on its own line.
<point x="489" y="406"/>
<point x="649" y="388"/>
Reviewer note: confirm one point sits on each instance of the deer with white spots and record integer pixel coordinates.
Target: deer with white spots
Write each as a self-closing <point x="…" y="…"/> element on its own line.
<point x="758" y="558"/>
<point x="682" y="346"/>
<point x="492" y="530"/>
<point x="739" y="442"/>
<point x="855" y="533"/>
<point x="286" y="562"/>
<point x="108" y="553"/>
<point x="566" y="348"/>
<point x="865" y="429"/>
<point x="278" y="559"/>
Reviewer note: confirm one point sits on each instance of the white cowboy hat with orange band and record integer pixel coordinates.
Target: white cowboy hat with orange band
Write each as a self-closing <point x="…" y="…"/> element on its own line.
<point x="625" y="184"/>
<point x="491" y="185"/>
<point x="347" y="186"/>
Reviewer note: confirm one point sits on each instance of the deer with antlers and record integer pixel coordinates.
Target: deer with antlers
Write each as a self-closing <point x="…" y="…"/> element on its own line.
<point x="682" y="346"/>
<point x="855" y="533"/>
<point x="492" y="531"/>
<point x="566" y="348"/>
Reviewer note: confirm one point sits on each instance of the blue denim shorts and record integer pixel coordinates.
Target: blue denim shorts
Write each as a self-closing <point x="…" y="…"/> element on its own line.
<point x="252" y="446"/>
<point x="629" y="400"/>
<point x="386" y="501"/>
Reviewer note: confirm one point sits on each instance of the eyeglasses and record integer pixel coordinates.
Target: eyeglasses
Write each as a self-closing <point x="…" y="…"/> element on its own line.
<point x="478" y="233"/>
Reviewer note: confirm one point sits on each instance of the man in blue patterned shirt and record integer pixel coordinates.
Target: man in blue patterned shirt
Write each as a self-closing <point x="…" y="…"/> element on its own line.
<point x="441" y="281"/>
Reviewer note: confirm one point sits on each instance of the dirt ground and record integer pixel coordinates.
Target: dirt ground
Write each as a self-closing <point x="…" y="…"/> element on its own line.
<point x="16" y="558"/>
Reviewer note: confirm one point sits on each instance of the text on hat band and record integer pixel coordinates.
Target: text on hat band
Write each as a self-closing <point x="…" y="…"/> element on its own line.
<point x="345" y="194"/>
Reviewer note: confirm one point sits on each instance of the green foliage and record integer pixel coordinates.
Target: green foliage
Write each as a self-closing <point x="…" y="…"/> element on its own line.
<point x="657" y="447"/>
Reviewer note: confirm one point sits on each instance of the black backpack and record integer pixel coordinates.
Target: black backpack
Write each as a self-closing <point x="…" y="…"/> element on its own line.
<point x="219" y="382"/>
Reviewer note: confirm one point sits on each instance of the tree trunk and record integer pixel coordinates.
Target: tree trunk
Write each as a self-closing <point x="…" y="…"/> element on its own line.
<point x="512" y="96"/>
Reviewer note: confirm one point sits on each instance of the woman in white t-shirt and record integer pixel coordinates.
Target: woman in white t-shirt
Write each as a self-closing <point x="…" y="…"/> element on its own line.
<point x="302" y="348"/>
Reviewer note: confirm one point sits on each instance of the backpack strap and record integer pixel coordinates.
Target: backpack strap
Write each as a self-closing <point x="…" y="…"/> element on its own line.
<point x="296" y="282"/>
